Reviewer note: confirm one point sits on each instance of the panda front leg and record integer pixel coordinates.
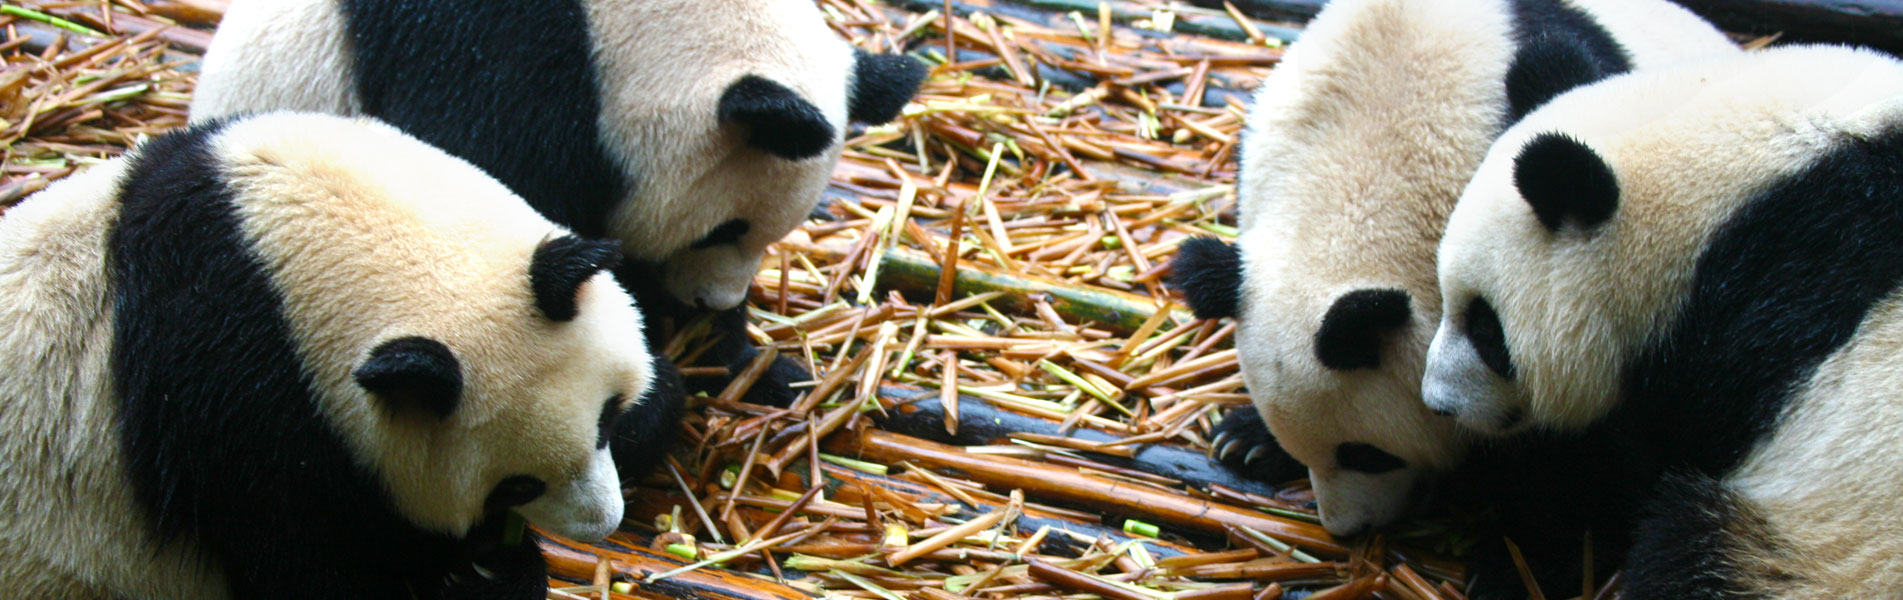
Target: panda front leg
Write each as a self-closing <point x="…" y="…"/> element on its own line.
<point x="775" y="386"/>
<point x="731" y="348"/>
<point x="643" y="434"/>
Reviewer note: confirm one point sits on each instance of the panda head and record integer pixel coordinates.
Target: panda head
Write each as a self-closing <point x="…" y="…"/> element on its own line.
<point x="1576" y="241"/>
<point x="733" y="129"/>
<point x="469" y="354"/>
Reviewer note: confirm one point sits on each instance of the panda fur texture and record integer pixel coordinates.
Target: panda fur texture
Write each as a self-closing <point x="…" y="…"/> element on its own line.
<point x="301" y="356"/>
<point x="1681" y="287"/>
<point x="694" y="132"/>
<point x="1357" y="148"/>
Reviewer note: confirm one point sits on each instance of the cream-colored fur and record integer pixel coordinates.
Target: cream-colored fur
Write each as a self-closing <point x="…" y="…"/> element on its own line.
<point x="276" y="55"/>
<point x="1826" y="482"/>
<point x="69" y="527"/>
<point x="696" y="174"/>
<point x="369" y="235"/>
<point x="1688" y="145"/>
<point x="350" y="217"/>
<point x="1358" y="145"/>
<point x="663" y="71"/>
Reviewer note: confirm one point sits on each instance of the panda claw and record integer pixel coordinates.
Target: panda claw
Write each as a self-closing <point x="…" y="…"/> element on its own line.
<point x="1216" y="446"/>
<point x="1255" y="454"/>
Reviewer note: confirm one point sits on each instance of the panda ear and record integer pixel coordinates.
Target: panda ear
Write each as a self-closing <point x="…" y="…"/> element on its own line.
<point x="413" y="372"/>
<point x="882" y="84"/>
<point x="777" y="120"/>
<point x="559" y="267"/>
<point x="1565" y="182"/>
<point x="1351" y="332"/>
<point x="1209" y="274"/>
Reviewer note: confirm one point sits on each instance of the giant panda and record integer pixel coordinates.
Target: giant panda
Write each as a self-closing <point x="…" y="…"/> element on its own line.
<point x="1356" y="149"/>
<point x="695" y="132"/>
<point x="301" y="356"/>
<point x="1677" y="292"/>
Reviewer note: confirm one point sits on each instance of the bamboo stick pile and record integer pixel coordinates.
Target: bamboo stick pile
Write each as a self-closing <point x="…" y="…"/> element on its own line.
<point x="1008" y="402"/>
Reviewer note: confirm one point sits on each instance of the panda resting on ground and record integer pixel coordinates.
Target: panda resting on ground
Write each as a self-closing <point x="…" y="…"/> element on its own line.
<point x="694" y="132"/>
<point x="1681" y="290"/>
<point x="302" y="356"/>
<point x="1357" y="148"/>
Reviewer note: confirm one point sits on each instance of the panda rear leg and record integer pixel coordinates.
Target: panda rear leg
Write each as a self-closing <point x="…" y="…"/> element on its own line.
<point x="1243" y="442"/>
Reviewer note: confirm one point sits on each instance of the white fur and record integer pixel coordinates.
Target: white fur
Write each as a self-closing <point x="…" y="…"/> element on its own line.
<point x="1687" y="145"/>
<point x="1358" y="146"/>
<point x="276" y="55"/>
<point x="664" y="69"/>
<point x="369" y="235"/>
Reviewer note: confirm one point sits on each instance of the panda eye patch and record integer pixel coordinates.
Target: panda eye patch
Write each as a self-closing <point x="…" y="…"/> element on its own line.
<point x="514" y="491"/>
<point x="610" y="412"/>
<point x="1357" y="456"/>
<point x="726" y="233"/>
<point x="1488" y="337"/>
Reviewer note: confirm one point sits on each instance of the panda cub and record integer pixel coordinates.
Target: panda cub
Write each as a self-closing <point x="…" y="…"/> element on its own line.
<point x="301" y="356"/>
<point x="1686" y="288"/>
<point x="694" y="132"/>
<point x="1356" y="149"/>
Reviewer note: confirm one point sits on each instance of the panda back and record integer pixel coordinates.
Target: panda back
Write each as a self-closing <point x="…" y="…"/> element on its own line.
<point x="276" y="55"/>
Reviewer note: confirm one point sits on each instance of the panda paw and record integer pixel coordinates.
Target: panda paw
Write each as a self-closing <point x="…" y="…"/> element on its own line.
<point x="1243" y="442"/>
<point x="643" y="434"/>
<point x="499" y="571"/>
<point x="775" y="386"/>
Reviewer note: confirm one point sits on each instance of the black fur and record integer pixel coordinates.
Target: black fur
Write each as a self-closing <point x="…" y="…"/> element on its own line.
<point x="413" y="372"/>
<point x="1351" y="332"/>
<point x="777" y="119"/>
<point x="1565" y="182"/>
<point x="1209" y="274"/>
<point x="515" y="490"/>
<point x="559" y="267"/>
<point x="458" y="76"/>
<point x="729" y="232"/>
<point x="665" y="314"/>
<point x="1680" y="550"/>
<point x="224" y="442"/>
<point x="1488" y="336"/>
<point x="643" y="434"/>
<point x="507" y="570"/>
<point x="1558" y="48"/>
<point x="1244" y="429"/>
<point x="882" y="84"/>
<point x="1366" y="458"/>
<point x="1782" y="285"/>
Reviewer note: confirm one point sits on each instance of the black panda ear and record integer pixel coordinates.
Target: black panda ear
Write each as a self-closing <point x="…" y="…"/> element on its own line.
<point x="1351" y="332"/>
<point x="777" y="120"/>
<point x="559" y="267"/>
<point x="415" y="372"/>
<point x="1565" y="182"/>
<point x="882" y="84"/>
<point x="1209" y="274"/>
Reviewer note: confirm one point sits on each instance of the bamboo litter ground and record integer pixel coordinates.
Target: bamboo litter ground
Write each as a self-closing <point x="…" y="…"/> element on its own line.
<point x="1008" y="403"/>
